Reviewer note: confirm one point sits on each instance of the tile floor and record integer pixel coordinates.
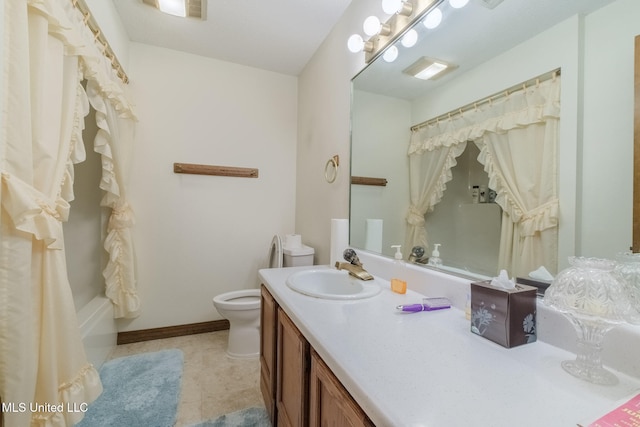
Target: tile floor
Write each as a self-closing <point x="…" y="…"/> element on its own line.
<point x="212" y="383"/>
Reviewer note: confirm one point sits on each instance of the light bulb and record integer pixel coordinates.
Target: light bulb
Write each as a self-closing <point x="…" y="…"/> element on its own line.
<point x="355" y="43"/>
<point x="433" y="19"/>
<point x="371" y="25"/>
<point x="410" y="38"/>
<point x="391" y="6"/>
<point x="390" y="54"/>
<point x="457" y="4"/>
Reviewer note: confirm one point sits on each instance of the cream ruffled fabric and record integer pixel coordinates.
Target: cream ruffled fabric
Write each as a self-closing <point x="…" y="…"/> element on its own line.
<point x="517" y="137"/>
<point x="48" y="52"/>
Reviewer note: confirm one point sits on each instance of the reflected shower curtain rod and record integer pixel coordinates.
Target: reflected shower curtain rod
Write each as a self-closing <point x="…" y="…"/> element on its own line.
<point x="503" y="93"/>
<point x="108" y="52"/>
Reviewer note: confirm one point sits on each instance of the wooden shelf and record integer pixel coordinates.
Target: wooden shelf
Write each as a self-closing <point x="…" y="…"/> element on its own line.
<point x="364" y="180"/>
<point x="194" y="169"/>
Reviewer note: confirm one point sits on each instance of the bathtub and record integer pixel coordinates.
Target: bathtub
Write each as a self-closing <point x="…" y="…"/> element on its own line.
<point x="98" y="329"/>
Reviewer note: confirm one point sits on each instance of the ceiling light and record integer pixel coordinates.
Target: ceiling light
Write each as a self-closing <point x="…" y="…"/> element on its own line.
<point x="182" y="8"/>
<point x="433" y="19"/>
<point x="173" y="7"/>
<point x="457" y="4"/>
<point x="428" y="68"/>
<point x="410" y="38"/>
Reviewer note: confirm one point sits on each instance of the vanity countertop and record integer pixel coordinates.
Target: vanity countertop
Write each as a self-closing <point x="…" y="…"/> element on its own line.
<point x="428" y="370"/>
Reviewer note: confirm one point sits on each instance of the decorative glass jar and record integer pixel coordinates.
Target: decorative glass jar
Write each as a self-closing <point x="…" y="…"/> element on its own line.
<point x="628" y="270"/>
<point x="594" y="299"/>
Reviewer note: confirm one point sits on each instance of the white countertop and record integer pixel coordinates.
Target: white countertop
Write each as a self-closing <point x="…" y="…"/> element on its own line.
<point x="428" y="370"/>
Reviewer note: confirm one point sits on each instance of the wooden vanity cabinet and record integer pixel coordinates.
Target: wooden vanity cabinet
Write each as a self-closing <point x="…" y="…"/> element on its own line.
<point x="330" y="403"/>
<point x="292" y="402"/>
<point x="299" y="390"/>
<point x="268" y="322"/>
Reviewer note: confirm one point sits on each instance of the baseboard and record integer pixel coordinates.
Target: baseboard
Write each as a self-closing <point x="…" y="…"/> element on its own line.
<point x="171" y="331"/>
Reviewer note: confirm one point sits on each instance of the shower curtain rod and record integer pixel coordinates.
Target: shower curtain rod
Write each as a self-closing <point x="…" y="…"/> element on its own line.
<point x="90" y="22"/>
<point x="503" y="93"/>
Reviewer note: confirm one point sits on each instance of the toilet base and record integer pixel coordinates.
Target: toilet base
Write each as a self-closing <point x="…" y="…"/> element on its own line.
<point x="244" y="342"/>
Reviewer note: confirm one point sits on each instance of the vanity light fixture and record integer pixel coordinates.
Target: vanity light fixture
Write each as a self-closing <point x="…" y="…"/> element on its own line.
<point x="373" y="26"/>
<point x="391" y="54"/>
<point x="457" y="4"/>
<point x="181" y="8"/>
<point x="410" y="38"/>
<point x="433" y="19"/>
<point x="427" y="68"/>
<point x="401" y="7"/>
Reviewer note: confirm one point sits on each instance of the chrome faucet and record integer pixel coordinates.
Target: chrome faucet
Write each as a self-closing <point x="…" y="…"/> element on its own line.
<point x="417" y="255"/>
<point x="354" y="266"/>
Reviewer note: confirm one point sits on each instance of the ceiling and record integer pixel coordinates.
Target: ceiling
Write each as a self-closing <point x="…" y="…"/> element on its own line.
<point x="468" y="37"/>
<point x="274" y="35"/>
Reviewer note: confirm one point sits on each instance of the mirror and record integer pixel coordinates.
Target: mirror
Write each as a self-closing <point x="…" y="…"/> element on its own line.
<point x="386" y="103"/>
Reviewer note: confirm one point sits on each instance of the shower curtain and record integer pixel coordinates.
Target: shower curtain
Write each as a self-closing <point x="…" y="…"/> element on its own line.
<point x="517" y="136"/>
<point x="48" y="53"/>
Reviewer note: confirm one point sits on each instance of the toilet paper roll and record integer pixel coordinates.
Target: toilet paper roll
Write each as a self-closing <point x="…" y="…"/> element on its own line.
<point x="339" y="239"/>
<point x="293" y="241"/>
<point x="373" y="235"/>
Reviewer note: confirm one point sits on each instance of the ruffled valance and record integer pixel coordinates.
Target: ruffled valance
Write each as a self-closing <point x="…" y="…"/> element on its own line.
<point x="519" y="109"/>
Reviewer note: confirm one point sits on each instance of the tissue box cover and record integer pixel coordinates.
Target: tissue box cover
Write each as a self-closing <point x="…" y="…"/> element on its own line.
<point x="504" y="316"/>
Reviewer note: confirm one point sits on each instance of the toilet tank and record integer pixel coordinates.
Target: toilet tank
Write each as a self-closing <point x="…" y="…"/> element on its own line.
<point x="298" y="257"/>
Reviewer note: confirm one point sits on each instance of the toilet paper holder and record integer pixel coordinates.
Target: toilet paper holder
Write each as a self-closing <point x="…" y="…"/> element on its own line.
<point x="331" y="169"/>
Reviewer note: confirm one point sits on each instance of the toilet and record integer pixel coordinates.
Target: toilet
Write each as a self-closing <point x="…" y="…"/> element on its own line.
<point x="242" y="308"/>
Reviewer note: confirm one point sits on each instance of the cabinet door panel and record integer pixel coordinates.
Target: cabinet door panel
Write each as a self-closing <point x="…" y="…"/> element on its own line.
<point x="293" y="374"/>
<point x="268" y="319"/>
<point x="330" y="403"/>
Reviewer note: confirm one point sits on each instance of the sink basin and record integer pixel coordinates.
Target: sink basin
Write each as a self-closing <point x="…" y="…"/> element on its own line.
<point x="332" y="284"/>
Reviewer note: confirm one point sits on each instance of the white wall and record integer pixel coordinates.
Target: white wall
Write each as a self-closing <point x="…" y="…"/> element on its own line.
<point x="324" y="100"/>
<point x="197" y="236"/>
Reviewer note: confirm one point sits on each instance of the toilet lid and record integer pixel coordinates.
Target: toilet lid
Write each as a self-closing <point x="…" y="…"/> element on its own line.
<point x="275" y="253"/>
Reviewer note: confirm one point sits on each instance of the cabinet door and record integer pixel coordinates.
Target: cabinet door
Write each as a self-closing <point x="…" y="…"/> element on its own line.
<point x="292" y="396"/>
<point x="268" y="318"/>
<point x="330" y="403"/>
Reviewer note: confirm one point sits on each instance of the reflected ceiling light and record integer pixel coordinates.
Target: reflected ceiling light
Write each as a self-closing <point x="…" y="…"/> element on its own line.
<point x="181" y="8"/>
<point x="391" y="54"/>
<point x="457" y="4"/>
<point x="433" y="19"/>
<point x="428" y="68"/>
<point x="410" y="38"/>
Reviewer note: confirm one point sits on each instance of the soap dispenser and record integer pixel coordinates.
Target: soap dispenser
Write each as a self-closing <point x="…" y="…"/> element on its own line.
<point x="434" y="259"/>
<point x="398" y="285"/>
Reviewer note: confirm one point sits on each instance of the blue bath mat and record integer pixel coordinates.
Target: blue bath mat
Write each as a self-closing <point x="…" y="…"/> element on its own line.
<point x="142" y="390"/>
<point x="251" y="417"/>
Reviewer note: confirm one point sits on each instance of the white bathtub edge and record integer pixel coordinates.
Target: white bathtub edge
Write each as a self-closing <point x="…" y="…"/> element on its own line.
<point x="98" y="329"/>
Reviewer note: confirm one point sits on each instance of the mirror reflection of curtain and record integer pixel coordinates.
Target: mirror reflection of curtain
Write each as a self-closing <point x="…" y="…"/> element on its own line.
<point x="48" y="52"/>
<point x="429" y="171"/>
<point x="517" y="135"/>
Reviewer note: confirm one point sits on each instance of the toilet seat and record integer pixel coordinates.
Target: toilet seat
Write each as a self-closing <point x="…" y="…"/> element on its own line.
<point x="275" y="253"/>
<point x="246" y="299"/>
